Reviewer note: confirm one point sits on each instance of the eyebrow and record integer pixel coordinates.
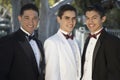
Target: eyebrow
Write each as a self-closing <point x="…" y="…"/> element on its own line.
<point x="92" y="16"/>
<point x="69" y="17"/>
<point x="26" y="16"/>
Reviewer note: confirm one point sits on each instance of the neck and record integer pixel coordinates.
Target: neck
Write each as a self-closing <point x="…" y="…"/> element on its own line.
<point x="26" y="31"/>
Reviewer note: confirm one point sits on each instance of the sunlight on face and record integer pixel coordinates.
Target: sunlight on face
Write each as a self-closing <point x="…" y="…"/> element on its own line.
<point x="67" y="21"/>
<point x="94" y="21"/>
<point x="29" y="20"/>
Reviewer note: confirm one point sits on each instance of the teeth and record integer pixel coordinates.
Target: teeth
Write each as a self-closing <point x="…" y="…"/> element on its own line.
<point x="29" y="26"/>
<point x="91" y="25"/>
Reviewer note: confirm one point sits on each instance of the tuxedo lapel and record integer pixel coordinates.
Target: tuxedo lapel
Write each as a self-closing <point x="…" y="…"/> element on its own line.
<point x="27" y="49"/>
<point x="67" y="48"/>
<point x="84" y="52"/>
<point x="78" y="58"/>
<point x="40" y="48"/>
<point x="68" y="59"/>
<point x="98" y="44"/>
<point x="95" y="52"/>
<point x="42" y="61"/>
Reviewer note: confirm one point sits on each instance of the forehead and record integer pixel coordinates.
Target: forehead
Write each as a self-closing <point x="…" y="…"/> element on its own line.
<point x="92" y="13"/>
<point x="69" y="13"/>
<point x="30" y="12"/>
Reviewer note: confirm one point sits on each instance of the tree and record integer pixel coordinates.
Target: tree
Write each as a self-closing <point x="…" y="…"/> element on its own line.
<point x="111" y="7"/>
<point x="48" y="25"/>
<point x="16" y="5"/>
<point x="5" y="9"/>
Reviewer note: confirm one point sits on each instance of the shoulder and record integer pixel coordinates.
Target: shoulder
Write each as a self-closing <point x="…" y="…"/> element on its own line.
<point x="110" y="39"/>
<point x="53" y="41"/>
<point x="5" y="38"/>
<point x="8" y="39"/>
<point x="53" y="38"/>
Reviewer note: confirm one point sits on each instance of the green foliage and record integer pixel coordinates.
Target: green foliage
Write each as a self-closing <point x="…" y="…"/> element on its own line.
<point x="79" y="9"/>
<point x="37" y="2"/>
<point x="51" y="2"/>
<point x="5" y="3"/>
<point x="113" y="16"/>
<point x="113" y="19"/>
<point x="7" y="6"/>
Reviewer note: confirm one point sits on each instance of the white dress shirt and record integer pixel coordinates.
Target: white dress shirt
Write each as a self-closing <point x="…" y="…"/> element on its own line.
<point x="73" y="47"/>
<point x="62" y="56"/>
<point x="87" y="71"/>
<point x="34" y="47"/>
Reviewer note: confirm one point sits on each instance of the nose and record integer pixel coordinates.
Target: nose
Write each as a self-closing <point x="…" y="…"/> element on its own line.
<point x="71" y="21"/>
<point x="91" y="20"/>
<point x="31" y="22"/>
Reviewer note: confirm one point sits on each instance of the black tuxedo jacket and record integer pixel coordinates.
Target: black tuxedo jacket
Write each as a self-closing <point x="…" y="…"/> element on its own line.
<point x="17" y="60"/>
<point x="106" y="58"/>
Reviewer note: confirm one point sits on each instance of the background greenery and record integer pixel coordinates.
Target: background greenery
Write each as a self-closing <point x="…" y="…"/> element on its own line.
<point x="48" y="26"/>
<point x="113" y="16"/>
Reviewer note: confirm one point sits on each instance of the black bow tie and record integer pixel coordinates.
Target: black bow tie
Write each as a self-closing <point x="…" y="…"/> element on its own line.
<point x="31" y="37"/>
<point x="94" y="35"/>
<point x="68" y="36"/>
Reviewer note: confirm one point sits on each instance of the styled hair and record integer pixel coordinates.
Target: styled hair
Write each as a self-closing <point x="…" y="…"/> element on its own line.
<point x="29" y="6"/>
<point x="97" y="8"/>
<point x="66" y="7"/>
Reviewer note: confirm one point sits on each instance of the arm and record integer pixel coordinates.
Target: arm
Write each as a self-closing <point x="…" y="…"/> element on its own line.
<point x="5" y="60"/>
<point x="52" y="61"/>
<point x="113" y="59"/>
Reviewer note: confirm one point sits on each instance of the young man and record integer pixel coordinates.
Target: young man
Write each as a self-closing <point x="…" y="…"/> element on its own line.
<point x="22" y="58"/>
<point x="101" y="54"/>
<point x="62" y="55"/>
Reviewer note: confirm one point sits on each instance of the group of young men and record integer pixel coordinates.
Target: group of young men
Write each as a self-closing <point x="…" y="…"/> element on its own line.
<point x="22" y="56"/>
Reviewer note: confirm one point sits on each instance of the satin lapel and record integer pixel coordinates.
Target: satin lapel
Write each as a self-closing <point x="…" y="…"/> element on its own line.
<point x="95" y="52"/>
<point x="42" y="61"/>
<point x="66" y="47"/>
<point x="84" y="51"/>
<point x="27" y="49"/>
<point x="78" y="57"/>
<point x="40" y="48"/>
<point x="98" y="44"/>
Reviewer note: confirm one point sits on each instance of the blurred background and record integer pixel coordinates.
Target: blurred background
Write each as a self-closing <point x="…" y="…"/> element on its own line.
<point x="9" y="10"/>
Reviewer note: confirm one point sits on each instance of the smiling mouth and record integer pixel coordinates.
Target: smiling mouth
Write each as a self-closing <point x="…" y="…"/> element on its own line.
<point x="91" y="25"/>
<point x="29" y="26"/>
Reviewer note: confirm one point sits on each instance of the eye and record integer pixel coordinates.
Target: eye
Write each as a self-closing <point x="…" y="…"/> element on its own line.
<point x="66" y="18"/>
<point x="26" y="17"/>
<point x="74" y="18"/>
<point x="35" y="18"/>
<point x="94" y="17"/>
<point x="87" y="18"/>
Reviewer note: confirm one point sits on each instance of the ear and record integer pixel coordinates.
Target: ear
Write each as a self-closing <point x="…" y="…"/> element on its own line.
<point x="103" y="18"/>
<point x="58" y="19"/>
<point x="19" y="18"/>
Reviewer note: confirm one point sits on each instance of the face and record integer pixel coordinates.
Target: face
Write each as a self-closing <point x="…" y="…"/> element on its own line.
<point x="67" y="21"/>
<point x="29" y="20"/>
<point x="94" y="21"/>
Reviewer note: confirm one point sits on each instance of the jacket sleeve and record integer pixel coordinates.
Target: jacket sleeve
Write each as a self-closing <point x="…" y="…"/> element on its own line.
<point x="6" y="57"/>
<point x="52" y="71"/>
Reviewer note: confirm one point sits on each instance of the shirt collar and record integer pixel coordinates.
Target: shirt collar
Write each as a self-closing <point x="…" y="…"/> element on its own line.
<point x="97" y="31"/>
<point x="64" y="32"/>
<point x="26" y="31"/>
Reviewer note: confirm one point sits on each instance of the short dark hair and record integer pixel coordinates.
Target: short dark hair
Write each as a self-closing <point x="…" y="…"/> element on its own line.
<point x="64" y="8"/>
<point x="96" y="7"/>
<point x="29" y="6"/>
